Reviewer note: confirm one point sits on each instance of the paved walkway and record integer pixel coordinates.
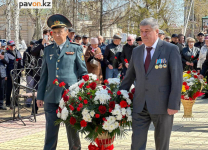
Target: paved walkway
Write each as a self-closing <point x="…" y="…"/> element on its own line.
<point x="186" y="135"/>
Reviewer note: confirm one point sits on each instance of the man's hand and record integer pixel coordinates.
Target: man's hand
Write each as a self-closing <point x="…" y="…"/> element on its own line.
<point x="120" y="66"/>
<point x="5" y="78"/>
<point x="1" y="56"/>
<point x="45" y="42"/>
<point x="191" y="64"/>
<point x="39" y="103"/>
<point x="188" y="63"/>
<point x="198" y="71"/>
<point x="127" y="65"/>
<point x="200" y="76"/>
<point x="172" y="112"/>
<point x="110" y="66"/>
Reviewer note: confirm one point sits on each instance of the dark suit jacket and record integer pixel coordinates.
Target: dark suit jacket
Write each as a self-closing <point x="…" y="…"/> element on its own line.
<point x="205" y="66"/>
<point x="160" y="89"/>
<point x="3" y="63"/>
<point x="186" y="55"/>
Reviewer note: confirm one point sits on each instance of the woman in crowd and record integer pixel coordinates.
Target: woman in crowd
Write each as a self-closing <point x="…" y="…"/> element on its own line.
<point x="203" y="54"/>
<point x="190" y="55"/>
<point x="93" y="57"/>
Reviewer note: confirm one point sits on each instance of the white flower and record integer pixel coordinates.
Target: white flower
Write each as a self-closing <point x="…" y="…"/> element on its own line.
<point x="123" y="111"/>
<point x="111" y="127"/>
<point x="116" y="112"/>
<point x="106" y="126"/>
<point x="62" y="103"/>
<point x="118" y="117"/>
<point x="117" y="106"/>
<point x="112" y="119"/>
<point x="64" y="113"/>
<point x="85" y="111"/>
<point x="128" y="110"/>
<point x="59" y="115"/>
<point x="129" y="118"/>
<point x="114" y="81"/>
<point x="128" y="101"/>
<point x="116" y="124"/>
<point x="73" y="93"/>
<point x="92" y="113"/>
<point x="93" y="76"/>
<point x="102" y="96"/>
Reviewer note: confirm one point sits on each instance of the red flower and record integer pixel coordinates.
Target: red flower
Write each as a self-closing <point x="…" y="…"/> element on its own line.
<point x="102" y="109"/>
<point x="80" y="98"/>
<point x="66" y="98"/>
<point x="85" y="101"/>
<point x="119" y="93"/>
<point x="198" y="73"/>
<point x="92" y="147"/>
<point x="55" y="81"/>
<point x="182" y="97"/>
<point x="18" y="59"/>
<point x="83" y="123"/>
<point x="195" y="76"/>
<point x="109" y="92"/>
<point x="72" y="120"/>
<point x="97" y="116"/>
<point x="116" y="57"/>
<point x="194" y="71"/>
<point x="133" y="91"/>
<point x="128" y="105"/>
<point x="65" y="92"/>
<point x="104" y="87"/>
<point x="80" y="105"/>
<point x="112" y="105"/>
<point x="123" y="104"/>
<point x="192" y="56"/>
<point x="131" y="96"/>
<point x="187" y="87"/>
<point x="104" y="119"/>
<point x="126" y="61"/>
<point x="110" y="110"/>
<point x="88" y="93"/>
<point x="62" y="84"/>
<point x="56" y="111"/>
<point x="93" y="85"/>
<point x="81" y="85"/>
<point x="60" y="109"/>
<point x="78" y="108"/>
<point x="105" y="81"/>
<point x="188" y="72"/>
<point x="184" y="83"/>
<point x="88" y="87"/>
<point x="197" y="94"/>
<point x="71" y="107"/>
<point x="85" y="77"/>
<point x="91" y="97"/>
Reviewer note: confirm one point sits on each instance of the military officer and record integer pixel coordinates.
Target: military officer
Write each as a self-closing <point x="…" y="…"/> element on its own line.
<point x="59" y="64"/>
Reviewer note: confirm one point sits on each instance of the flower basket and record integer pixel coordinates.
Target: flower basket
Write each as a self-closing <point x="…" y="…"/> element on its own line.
<point x="188" y="105"/>
<point x="105" y="142"/>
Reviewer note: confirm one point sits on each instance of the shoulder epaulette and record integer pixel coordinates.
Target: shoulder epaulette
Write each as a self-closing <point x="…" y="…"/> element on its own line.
<point x="75" y="43"/>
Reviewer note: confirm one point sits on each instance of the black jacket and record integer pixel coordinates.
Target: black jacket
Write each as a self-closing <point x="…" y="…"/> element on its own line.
<point x="3" y="63"/>
<point x="112" y="55"/>
<point x="199" y="44"/>
<point x="28" y="62"/>
<point x="127" y="52"/>
<point x="179" y="46"/>
<point x="205" y="66"/>
<point x="187" y="55"/>
<point x="15" y="61"/>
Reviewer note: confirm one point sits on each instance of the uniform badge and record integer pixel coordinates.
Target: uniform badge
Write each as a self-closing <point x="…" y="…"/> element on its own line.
<point x="70" y="53"/>
<point x="82" y="56"/>
<point x="51" y="56"/>
<point x="160" y="66"/>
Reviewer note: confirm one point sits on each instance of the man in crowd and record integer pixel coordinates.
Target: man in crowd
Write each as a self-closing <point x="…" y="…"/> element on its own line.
<point x="78" y="39"/>
<point x="28" y="62"/>
<point x="38" y="51"/>
<point x="15" y="62"/>
<point x="102" y="47"/>
<point x="126" y="54"/>
<point x="71" y="34"/>
<point x="3" y="46"/>
<point x="161" y="34"/>
<point x="112" y="57"/>
<point x="174" y="40"/>
<point x="85" y="40"/>
<point x="200" y="42"/>
<point x="3" y="61"/>
<point x="158" y="88"/>
<point x="139" y="41"/>
<point x="168" y="39"/>
<point x="57" y="65"/>
<point x="181" y="41"/>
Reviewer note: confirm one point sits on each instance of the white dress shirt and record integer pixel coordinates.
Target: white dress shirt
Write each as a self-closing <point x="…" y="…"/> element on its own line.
<point x="152" y="51"/>
<point x="61" y="46"/>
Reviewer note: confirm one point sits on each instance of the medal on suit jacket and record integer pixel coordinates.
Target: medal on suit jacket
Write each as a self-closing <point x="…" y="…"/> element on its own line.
<point x="156" y="66"/>
<point x="164" y="63"/>
<point x="160" y="61"/>
<point x="51" y="56"/>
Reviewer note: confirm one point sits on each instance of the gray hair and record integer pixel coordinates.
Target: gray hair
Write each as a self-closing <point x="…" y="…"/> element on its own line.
<point x="65" y="29"/>
<point x="150" y="21"/>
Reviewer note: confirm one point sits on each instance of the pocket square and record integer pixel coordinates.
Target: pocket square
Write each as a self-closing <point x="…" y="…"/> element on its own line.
<point x="69" y="53"/>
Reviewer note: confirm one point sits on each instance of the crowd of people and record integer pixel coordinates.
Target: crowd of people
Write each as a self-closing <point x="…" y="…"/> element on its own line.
<point x="106" y="61"/>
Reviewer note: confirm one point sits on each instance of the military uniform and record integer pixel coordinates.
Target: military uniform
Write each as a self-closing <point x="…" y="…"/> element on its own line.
<point x="65" y="63"/>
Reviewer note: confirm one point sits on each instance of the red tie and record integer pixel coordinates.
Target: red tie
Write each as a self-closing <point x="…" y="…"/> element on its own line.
<point x="148" y="59"/>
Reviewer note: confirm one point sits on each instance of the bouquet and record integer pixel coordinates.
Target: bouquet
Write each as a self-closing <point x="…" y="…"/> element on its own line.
<point x="192" y="86"/>
<point x="95" y="110"/>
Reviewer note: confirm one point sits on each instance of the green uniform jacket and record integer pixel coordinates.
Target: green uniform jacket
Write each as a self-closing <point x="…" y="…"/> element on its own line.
<point x="66" y="67"/>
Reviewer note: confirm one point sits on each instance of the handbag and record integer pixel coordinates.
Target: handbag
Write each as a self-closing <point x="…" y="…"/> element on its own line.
<point x="94" y="63"/>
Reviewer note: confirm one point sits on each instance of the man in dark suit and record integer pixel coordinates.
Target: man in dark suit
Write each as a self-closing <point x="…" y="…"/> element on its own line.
<point x="64" y="61"/>
<point x="200" y="42"/>
<point x="158" y="69"/>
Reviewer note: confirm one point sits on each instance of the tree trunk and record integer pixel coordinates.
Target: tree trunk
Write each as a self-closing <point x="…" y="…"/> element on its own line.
<point x="16" y="24"/>
<point x="8" y="20"/>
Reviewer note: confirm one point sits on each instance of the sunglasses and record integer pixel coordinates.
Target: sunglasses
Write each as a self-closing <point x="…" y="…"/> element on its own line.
<point x="128" y="40"/>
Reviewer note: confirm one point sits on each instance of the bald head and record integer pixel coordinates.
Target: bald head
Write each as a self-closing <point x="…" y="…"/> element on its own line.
<point x="130" y="40"/>
<point x="100" y="39"/>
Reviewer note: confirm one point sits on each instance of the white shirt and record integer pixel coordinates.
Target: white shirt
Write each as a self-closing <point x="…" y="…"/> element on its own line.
<point x="152" y="51"/>
<point x="61" y="46"/>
